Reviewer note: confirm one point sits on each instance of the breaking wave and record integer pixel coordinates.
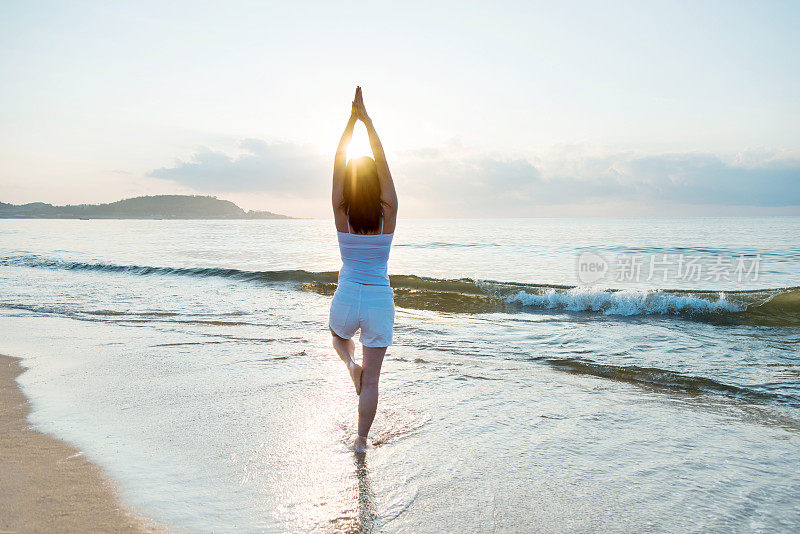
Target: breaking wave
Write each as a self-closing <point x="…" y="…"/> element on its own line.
<point x="768" y="307"/>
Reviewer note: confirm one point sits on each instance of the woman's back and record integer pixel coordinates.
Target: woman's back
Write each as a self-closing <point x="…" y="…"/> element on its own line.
<point x="365" y="257"/>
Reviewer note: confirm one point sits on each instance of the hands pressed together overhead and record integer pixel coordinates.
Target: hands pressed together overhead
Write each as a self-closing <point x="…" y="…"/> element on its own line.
<point x="388" y="194"/>
<point x="358" y="110"/>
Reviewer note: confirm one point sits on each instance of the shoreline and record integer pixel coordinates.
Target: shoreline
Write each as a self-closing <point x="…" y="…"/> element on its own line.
<point x="49" y="485"/>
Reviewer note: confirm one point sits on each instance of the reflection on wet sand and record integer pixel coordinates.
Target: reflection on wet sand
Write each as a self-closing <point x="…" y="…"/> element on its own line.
<point x="361" y="514"/>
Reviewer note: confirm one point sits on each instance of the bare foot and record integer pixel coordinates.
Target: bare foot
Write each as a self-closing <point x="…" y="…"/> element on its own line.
<point x="360" y="445"/>
<point x="355" y="375"/>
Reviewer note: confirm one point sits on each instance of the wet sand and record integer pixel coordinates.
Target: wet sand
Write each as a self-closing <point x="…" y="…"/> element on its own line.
<point x="47" y="485"/>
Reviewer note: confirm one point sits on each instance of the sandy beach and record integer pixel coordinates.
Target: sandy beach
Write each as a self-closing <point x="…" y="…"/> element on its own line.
<point x="49" y="486"/>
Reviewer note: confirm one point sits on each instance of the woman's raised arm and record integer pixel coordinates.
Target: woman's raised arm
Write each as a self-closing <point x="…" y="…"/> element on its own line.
<point x="340" y="162"/>
<point x="388" y="193"/>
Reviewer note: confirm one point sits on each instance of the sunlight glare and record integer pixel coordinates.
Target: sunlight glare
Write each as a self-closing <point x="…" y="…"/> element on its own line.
<point x="359" y="144"/>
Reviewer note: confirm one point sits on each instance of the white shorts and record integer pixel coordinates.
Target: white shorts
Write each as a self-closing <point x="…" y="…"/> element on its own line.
<point x="368" y="307"/>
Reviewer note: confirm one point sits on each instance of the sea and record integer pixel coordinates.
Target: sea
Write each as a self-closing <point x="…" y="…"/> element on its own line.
<point x="547" y="375"/>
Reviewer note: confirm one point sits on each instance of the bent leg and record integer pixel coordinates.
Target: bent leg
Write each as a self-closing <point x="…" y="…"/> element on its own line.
<point x="368" y="403"/>
<point x="346" y="349"/>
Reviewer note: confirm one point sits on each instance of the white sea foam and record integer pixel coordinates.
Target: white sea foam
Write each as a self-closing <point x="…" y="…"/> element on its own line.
<point x="624" y="302"/>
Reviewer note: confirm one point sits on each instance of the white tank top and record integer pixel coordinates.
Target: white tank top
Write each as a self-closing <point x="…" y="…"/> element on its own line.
<point x="364" y="257"/>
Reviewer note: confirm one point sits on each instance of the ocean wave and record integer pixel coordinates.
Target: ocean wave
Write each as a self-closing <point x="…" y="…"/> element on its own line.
<point x="142" y="270"/>
<point x="767" y="307"/>
<point x="625" y="301"/>
<point x="663" y="379"/>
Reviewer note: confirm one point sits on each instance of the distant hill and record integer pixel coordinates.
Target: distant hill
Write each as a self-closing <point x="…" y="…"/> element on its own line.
<point x="151" y="207"/>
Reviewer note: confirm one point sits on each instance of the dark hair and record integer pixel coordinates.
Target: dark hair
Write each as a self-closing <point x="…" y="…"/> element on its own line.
<point x="362" y="195"/>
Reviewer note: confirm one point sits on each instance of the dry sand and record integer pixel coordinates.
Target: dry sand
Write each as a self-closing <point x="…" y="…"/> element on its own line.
<point x="47" y="485"/>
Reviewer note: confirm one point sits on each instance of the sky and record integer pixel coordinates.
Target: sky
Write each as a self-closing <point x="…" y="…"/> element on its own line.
<point x="502" y="109"/>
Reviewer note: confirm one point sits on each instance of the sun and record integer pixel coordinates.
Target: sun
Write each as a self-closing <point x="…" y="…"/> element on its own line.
<point x="359" y="144"/>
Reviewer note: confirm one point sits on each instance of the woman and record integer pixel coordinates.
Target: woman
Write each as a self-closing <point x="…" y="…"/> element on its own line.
<point x="365" y="211"/>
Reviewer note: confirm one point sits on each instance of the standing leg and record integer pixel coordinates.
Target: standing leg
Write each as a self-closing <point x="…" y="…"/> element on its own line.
<point x="346" y="349"/>
<point x="368" y="402"/>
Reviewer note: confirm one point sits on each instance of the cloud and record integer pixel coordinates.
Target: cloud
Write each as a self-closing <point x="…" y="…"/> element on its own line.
<point x="707" y="179"/>
<point x="279" y="168"/>
<point x="489" y="185"/>
<point x="455" y="181"/>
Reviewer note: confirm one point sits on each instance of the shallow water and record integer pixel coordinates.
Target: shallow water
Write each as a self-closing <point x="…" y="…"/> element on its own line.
<point x="191" y="360"/>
